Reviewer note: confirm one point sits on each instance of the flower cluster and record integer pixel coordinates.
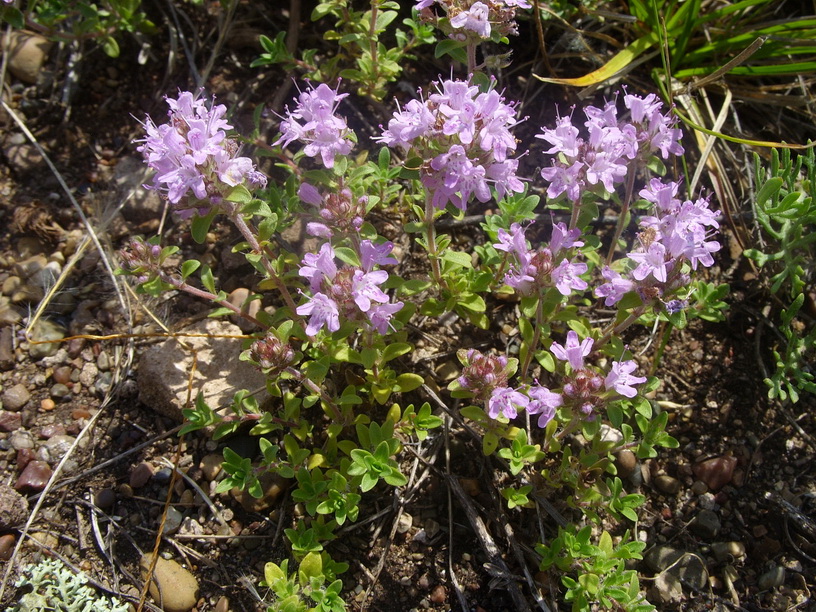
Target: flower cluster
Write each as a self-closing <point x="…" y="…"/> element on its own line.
<point x="337" y="209"/>
<point x="464" y="137"/>
<point x="468" y="21"/>
<point x="192" y="154"/>
<point x="583" y="387"/>
<point x="348" y="293"/>
<point x="485" y="378"/>
<point x="313" y="122"/>
<point x="536" y="270"/>
<point x="605" y="156"/>
<point x="141" y="259"/>
<point x="679" y="232"/>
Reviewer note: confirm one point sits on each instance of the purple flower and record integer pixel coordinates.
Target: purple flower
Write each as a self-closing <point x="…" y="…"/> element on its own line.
<point x="615" y="287"/>
<point x="562" y="238"/>
<point x="506" y="401"/>
<point x="191" y="153"/>
<point x="319" y="267"/>
<point x="653" y="262"/>
<point x="463" y="137"/>
<point x="376" y="254"/>
<point x="474" y="19"/>
<point x="512" y="241"/>
<point x="621" y="380"/>
<point x="565" y="277"/>
<point x="543" y="402"/>
<point x="322" y="311"/>
<point x="573" y="351"/>
<point x="365" y="288"/>
<point x="324" y="134"/>
<point x="380" y="316"/>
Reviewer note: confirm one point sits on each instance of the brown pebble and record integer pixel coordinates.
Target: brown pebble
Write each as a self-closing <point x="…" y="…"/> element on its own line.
<point x="439" y="594"/>
<point x="34" y="477"/>
<point x="222" y="605"/>
<point x="626" y="462"/>
<point x="471" y="486"/>
<point x="716" y="472"/>
<point x="667" y="484"/>
<point x="125" y="490"/>
<point x="759" y="531"/>
<point x="47" y="405"/>
<point x="6" y="546"/>
<point x="80" y="413"/>
<point x="62" y="374"/>
<point x="140" y="475"/>
<point x="105" y="499"/>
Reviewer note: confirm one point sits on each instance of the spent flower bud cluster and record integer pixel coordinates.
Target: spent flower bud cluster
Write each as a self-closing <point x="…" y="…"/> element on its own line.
<point x="463" y="137"/>
<point x="195" y="164"/>
<point x="271" y="354"/>
<point x="337" y="209"/>
<point x="314" y="123"/>
<point x="141" y="259"/>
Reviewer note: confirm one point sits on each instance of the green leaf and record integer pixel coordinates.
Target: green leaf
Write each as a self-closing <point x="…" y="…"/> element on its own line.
<point x="200" y="226"/>
<point x="408" y="382"/>
<point x="188" y="267"/>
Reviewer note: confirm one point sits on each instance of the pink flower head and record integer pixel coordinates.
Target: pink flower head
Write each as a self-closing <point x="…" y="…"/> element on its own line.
<point x="313" y="122"/>
<point x="506" y="401"/>
<point x="543" y="402"/>
<point x="615" y="287"/>
<point x="475" y="19"/>
<point x="573" y="350"/>
<point x="322" y="311"/>
<point x="621" y="380"/>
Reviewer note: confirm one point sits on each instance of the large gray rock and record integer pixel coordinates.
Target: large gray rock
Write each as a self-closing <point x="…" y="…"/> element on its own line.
<point x="13" y="508"/>
<point x="164" y="370"/>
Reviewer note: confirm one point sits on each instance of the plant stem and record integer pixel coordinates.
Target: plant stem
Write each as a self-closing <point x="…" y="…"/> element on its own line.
<point x="539" y="322"/>
<point x="430" y="236"/>
<point x="206" y="295"/>
<point x="615" y="329"/>
<point x="249" y="236"/>
<point x="630" y="186"/>
<point x="471" y="58"/>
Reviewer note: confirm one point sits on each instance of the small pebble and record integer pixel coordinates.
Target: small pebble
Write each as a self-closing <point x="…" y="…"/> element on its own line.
<point x="626" y="462"/>
<point x="724" y="551"/>
<point x="699" y="487"/>
<point x="62" y="374"/>
<point x="47" y="404"/>
<point x="439" y="594"/>
<point x="667" y="484"/>
<point x="105" y="498"/>
<point x="140" y="475"/>
<point x="15" y="397"/>
<point x="773" y="578"/>
<point x="34" y="477"/>
<point x="60" y="391"/>
<point x="10" y="421"/>
<point x="222" y="605"/>
<point x="211" y="465"/>
<point x="6" y="546"/>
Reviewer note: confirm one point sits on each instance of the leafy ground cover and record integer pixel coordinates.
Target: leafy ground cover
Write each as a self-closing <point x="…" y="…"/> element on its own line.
<point x="373" y="456"/>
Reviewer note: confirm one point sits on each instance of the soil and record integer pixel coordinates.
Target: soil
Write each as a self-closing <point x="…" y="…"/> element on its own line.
<point x="407" y="549"/>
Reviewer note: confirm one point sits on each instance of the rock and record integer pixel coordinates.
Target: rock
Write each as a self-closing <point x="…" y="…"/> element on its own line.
<point x="10" y="421"/>
<point x="57" y="446"/>
<point x="439" y="594"/>
<point x="238" y="298"/>
<point x="716" y="472"/>
<point x="471" y="486"/>
<point x="6" y="546"/>
<point x="773" y="578"/>
<point x="662" y="556"/>
<point x="706" y="524"/>
<point x="211" y="466"/>
<point x="26" y="54"/>
<point x="14" y="398"/>
<point x="172" y="587"/>
<point x="726" y="551"/>
<point x="105" y="499"/>
<point x="667" y="484"/>
<point x="59" y="392"/>
<point x="666" y="589"/>
<point x="140" y="475"/>
<point x="34" y="477"/>
<point x="6" y="349"/>
<point x="625" y="462"/>
<point x="164" y="370"/>
<point x="21" y="440"/>
<point x="13" y="508"/>
<point x="405" y="522"/>
<point x="273" y="487"/>
<point x="222" y="605"/>
<point x="62" y="374"/>
<point x="140" y="205"/>
<point x="172" y="521"/>
<point x="47" y="333"/>
<point x="9" y="315"/>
